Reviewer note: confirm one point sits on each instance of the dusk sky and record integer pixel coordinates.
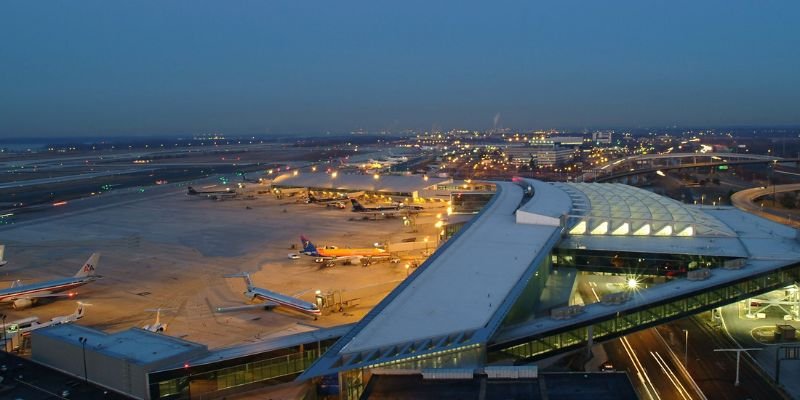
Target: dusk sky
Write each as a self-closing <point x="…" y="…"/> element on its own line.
<point x="258" y="67"/>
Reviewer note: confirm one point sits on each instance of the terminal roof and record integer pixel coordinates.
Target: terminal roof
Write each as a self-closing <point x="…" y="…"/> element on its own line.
<point x="135" y="345"/>
<point x="457" y="297"/>
<point x="358" y="182"/>
<point x="271" y="344"/>
<point x="618" y="204"/>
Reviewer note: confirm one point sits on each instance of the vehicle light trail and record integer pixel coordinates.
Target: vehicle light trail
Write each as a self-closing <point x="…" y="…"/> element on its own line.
<point x="641" y="372"/>
<point x="671" y="375"/>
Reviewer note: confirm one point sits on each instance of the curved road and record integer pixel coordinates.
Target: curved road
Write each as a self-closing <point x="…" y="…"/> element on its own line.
<point x="745" y="201"/>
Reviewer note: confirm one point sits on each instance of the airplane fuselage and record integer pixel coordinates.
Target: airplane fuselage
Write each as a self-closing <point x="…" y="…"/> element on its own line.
<point x="54" y="286"/>
<point x="286" y="301"/>
<point x="350" y="252"/>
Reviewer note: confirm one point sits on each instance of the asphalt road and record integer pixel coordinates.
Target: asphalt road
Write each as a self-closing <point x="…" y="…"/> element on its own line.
<point x="654" y="370"/>
<point x="653" y="360"/>
<point x="744" y="200"/>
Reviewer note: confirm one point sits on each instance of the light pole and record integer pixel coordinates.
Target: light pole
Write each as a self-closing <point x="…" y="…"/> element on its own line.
<point x="83" y="348"/>
<point x="738" y="357"/>
<point x="5" y="346"/>
<point x="686" y="348"/>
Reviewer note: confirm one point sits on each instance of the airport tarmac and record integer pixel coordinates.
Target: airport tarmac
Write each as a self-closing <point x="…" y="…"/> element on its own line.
<point x="163" y="249"/>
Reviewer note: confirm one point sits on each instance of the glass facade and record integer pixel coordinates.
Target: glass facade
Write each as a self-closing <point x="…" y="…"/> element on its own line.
<point x="634" y="263"/>
<point x="354" y="381"/>
<point x="527" y="301"/>
<point x="228" y="376"/>
<point x="612" y="326"/>
<point x="469" y="203"/>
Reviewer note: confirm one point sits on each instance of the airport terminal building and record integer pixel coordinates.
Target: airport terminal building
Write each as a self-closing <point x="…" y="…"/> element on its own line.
<point x="504" y="290"/>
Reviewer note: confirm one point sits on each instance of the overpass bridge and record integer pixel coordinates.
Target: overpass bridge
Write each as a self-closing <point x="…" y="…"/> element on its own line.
<point x="641" y="171"/>
<point x="634" y="165"/>
<point x="602" y="321"/>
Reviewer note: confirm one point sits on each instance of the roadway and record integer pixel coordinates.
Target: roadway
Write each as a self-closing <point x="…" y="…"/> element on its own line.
<point x="603" y="169"/>
<point x="654" y="360"/>
<point x="745" y="201"/>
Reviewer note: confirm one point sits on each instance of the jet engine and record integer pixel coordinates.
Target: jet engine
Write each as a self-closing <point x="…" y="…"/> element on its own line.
<point x="21" y="304"/>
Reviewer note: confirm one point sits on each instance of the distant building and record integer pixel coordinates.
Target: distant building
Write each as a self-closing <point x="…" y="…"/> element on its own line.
<point x="542" y="153"/>
<point x="601" y="137"/>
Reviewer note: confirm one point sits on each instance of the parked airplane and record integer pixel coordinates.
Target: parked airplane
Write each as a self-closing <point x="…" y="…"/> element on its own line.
<point x="392" y="210"/>
<point x="213" y="194"/>
<point x="389" y="160"/>
<point x="278" y="299"/>
<point x="23" y="296"/>
<point x="65" y="319"/>
<point x="157" y="326"/>
<point x="337" y="254"/>
<point x="326" y="201"/>
<point x="2" y="251"/>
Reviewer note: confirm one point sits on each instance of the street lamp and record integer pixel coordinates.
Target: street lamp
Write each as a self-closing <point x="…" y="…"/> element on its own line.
<point x="5" y="345"/>
<point x="83" y="348"/>
<point x="686" y="349"/>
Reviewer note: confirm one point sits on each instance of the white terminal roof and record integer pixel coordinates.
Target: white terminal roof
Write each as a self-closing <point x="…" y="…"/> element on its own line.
<point x="618" y="209"/>
<point x="461" y="288"/>
<point x="271" y="344"/>
<point x="358" y="182"/>
<point x="616" y="217"/>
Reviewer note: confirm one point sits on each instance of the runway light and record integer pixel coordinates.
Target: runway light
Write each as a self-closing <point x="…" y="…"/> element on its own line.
<point x="314" y="168"/>
<point x="376" y="176"/>
<point x="334" y="174"/>
<point x="295" y="173"/>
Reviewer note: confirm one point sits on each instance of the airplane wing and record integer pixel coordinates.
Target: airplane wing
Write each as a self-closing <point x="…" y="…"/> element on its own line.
<point x="42" y="295"/>
<point x="267" y="305"/>
<point x="300" y="293"/>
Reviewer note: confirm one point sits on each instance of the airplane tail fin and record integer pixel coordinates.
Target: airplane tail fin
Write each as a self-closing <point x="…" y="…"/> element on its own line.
<point x="356" y="205"/>
<point x="88" y="267"/>
<point x="308" y="247"/>
<point x="2" y="251"/>
<point x="191" y="190"/>
<point x="81" y="310"/>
